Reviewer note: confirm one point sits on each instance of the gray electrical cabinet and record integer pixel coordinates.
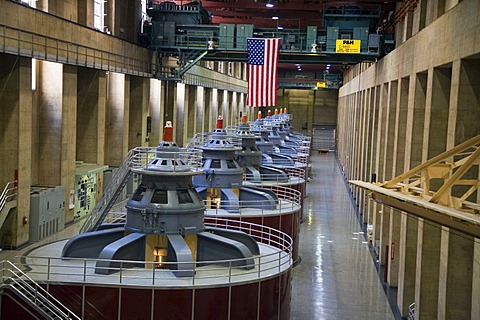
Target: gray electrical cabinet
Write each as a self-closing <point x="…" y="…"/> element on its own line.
<point x="361" y="34"/>
<point x="226" y="36"/>
<point x="244" y="31"/>
<point x="311" y="37"/>
<point x="332" y="36"/>
<point x="47" y="211"/>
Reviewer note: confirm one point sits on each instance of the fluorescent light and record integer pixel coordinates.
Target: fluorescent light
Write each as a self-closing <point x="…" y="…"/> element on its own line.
<point x="279" y="27"/>
<point x="270" y="4"/>
<point x="275" y="18"/>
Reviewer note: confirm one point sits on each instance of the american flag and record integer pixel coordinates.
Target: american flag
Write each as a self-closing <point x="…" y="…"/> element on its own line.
<point x="262" y="72"/>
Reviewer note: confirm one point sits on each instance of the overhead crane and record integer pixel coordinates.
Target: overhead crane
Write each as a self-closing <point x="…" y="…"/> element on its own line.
<point x="181" y="36"/>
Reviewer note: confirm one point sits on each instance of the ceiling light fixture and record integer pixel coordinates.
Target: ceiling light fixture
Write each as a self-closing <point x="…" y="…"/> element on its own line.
<point x="275" y="18"/>
<point x="270" y="4"/>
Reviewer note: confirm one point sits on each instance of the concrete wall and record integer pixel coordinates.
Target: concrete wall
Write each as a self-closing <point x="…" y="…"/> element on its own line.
<point x="413" y="104"/>
<point x="309" y="107"/>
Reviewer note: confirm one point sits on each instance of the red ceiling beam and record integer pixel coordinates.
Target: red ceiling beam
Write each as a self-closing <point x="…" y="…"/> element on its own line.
<point x="269" y="23"/>
<point x="249" y="4"/>
<point x="269" y="15"/>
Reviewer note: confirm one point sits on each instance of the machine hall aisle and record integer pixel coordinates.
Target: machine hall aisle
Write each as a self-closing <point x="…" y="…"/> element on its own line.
<point x="336" y="278"/>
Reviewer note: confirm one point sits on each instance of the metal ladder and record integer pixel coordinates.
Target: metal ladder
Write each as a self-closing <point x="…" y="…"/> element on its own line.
<point x="113" y="190"/>
<point x="32" y="293"/>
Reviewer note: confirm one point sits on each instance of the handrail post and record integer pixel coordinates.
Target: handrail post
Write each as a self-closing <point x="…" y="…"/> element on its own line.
<point x="153" y="275"/>
<point x="48" y="268"/>
<point x="121" y="271"/>
<point x="84" y="270"/>
<point x="279" y="260"/>
<point x="259" y="266"/>
<point x="230" y="271"/>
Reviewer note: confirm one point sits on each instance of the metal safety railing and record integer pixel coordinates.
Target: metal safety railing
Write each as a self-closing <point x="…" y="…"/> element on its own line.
<point x="288" y="200"/>
<point x="411" y="312"/>
<point x="144" y="159"/>
<point x="9" y="193"/>
<point x="295" y="175"/>
<point x="110" y="195"/>
<point x="39" y="46"/>
<point x="8" y="196"/>
<point x="275" y="258"/>
<point x="200" y="139"/>
<point x="27" y="289"/>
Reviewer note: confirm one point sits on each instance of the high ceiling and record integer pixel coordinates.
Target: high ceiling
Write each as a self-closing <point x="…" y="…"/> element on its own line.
<point x="292" y="13"/>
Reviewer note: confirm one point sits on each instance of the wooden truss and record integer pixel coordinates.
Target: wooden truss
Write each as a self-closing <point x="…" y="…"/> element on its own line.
<point x="439" y="189"/>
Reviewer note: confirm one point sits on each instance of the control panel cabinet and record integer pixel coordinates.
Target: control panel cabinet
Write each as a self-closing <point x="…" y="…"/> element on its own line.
<point x="47" y="211"/>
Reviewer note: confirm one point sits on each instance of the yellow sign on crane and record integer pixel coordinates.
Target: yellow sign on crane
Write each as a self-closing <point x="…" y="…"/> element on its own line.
<point x="347" y="46"/>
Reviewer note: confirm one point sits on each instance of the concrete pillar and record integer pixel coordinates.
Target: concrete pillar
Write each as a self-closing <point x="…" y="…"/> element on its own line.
<point x="395" y="243"/>
<point x="180" y="113"/>
<point x="439" y="111"/>
<point x="208" y="107"/>
<point x="427" y="270"/>
<point x="390" y="140"/>
<point x="410" y="108"/>
<point x="91" y="106"/>
<point x="242" y="107"/>
<point x="361" y="165"/>
<point x="117" y="118"/>
<point x="381" y="128"/>
<point x="169" y="100"/>
<point x="476" y="280"/>
<point x="155" y="108"/>
<point x="419" y="89"/>
<point x="69" y="130"/>
<point x="455" y="275"/>
<point x="401" y="127"/>
<point x="200" y="110"/>
<point x="384" y="246"/>
<point x="213" y="109"/>
<point x="139" y="97"/>
<point x="225" y="108"/>
<point x="384" y="167"/>
<point x="49" y="97"/>
<point x="85" y="12"/>
<point x="372" y="151"/>
<point x="464" y="100"/>
<point x="235" y="117"/>
<point x="407" y="256"/>
<point x="16" y="139"/>
<point x="190" y="123"/>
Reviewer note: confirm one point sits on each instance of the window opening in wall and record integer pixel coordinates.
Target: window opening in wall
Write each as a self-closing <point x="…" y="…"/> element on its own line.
<point x="210" y="65"/>
<point x="34" y="74"/>
<point x="230" y="68"/>
<point x="99" y="15"/>
<point x="145" y="18"/>
<point x="31" y="3"/>
<point x="220" y="67"/>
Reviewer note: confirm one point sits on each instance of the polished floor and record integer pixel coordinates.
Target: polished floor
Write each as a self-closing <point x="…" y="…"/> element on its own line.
<point x="337" y="278"/>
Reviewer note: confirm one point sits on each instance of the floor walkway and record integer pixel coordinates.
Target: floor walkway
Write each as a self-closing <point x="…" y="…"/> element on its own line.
<point x="336" y="278"/>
